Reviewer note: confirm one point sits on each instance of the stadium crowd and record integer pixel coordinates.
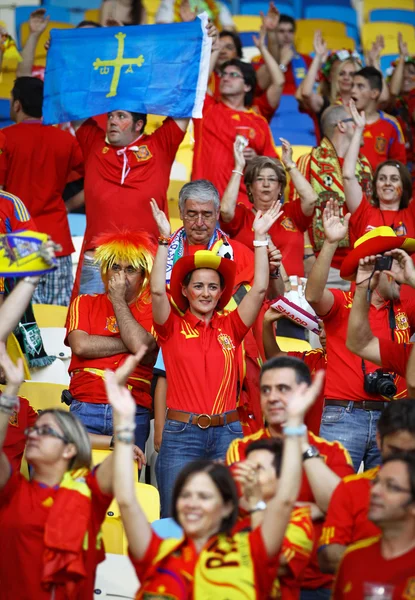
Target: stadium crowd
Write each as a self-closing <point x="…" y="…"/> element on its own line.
<point x="269" y="336"/>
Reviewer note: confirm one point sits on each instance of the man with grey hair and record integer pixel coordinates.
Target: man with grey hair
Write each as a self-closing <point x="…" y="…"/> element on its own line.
<point x="323" y="169"/>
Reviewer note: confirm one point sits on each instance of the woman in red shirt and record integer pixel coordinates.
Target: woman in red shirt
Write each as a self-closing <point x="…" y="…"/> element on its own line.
<point x="265" y="180"/>
<point x="210" y="560"/>
<point x="50" y="542"/>
<point x="200" y="348"/>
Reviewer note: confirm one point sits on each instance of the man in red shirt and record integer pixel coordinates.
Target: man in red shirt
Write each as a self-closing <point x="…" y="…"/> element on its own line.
<point x="351" y="409"/>
<point x="104" y="329"/>
<point x="384" y="566"/>
<point x="35" y="165"/>
<point x="222" y="121"/>
<point x="323" y="169"/>
<point x="382" y="137"/>
<point x="347" y="517"/>
<point x="325" y="463"/>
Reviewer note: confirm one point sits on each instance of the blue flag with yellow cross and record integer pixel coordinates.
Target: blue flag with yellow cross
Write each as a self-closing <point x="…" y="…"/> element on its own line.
<point x="156" y="69"/>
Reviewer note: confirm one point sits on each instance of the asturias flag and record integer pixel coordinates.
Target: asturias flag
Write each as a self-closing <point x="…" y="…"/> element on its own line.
<point x="156" y="69"/>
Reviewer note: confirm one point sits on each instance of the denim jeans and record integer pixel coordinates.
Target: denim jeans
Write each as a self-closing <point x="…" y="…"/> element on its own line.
<point x="97" y="418"/>
<point x="183" y="443"/>
<point x="317" y="594"/>
<point x="356" y="430"/>
<point x="90" y="282"/>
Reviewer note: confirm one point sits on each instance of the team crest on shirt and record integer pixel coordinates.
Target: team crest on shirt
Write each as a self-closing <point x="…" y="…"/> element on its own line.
<point x="142" y="153"/>
<point x="105" y="149"/>
<point x="409" y="593"/>
<point x="380" y="145"/>
<point x="226" y="342"/>
<point x="112" y="325"/>
<point x="400" y="230"/>
<point x="401" y="321"/>
<point x="288" y="224"/>
<point x="14" y="419"/>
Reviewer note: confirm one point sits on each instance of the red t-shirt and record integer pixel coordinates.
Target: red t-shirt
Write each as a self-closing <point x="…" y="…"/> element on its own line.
<point x="344" y="376"/>
<point x="287" y="233"/>
<point x="215" y="135"/>
<point x="111" y="204"/>
<point x="175" y="576"/>
<point x="316" y="360"/>
<point x="347" y="516"/>
<point x="35" y="166"/>
<point x="95" y="315"/>
<point x="201" y="361"/>
<point x="15" y="441"/>
<point x="383" y="139"/>
<point x="24" y="509"/>
<point x="395" y="356"/>
<point x="363" y="569"/>
<point x="14" y="215"/>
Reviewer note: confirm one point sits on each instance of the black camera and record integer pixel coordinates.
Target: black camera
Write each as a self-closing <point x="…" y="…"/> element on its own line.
<point x="383" y="263"/>
<point x="379" y="383"/>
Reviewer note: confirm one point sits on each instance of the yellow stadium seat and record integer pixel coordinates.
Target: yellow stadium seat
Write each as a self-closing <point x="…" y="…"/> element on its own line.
<point x="98" y="456"/>
<point x="151" y="7"/>
<point x="175" y="224"/>
<point x="390" y="31"/>
<point x="7" y="79"/>
<point x="369" y="5"/>
<point x="287" y="344"/>
<point x="50" y="315"/>
<point x="247" y="23"/>
<point x="184" y="156"/>
<point x="297" y="151"/>
<point x="305" y="44"/>
<point x="305" y="28"/>
<point x="14" y="351"/>
<point x="93" y="14"/>
<point x="40" y="51"/>
<point x="42" y="395"/>
<point x="173" y="198"/>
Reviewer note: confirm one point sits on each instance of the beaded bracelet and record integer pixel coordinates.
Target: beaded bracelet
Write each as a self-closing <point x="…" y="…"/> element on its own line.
<point x="163" y="240"/>
<point x="295" y="431"/>
<point x="10" y="402"/>
<point x="238" y="172"/>
<point x="125" y="438"/>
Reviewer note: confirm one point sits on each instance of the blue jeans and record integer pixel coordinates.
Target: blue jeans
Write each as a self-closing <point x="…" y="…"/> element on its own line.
<point x="356" y="430"/>
<point x="91" y="282"/>
<point x="183" y="443"/>
<point x="317" y="594"/>
<point x="97" y="418"/>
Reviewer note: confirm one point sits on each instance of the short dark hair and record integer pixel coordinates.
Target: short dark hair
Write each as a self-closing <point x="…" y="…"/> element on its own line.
<point x="29" y="92"/>
<point x="223" y="480"/>
<point x="236" y="40"/>
<point x="409" y="459"/>
<point x="405" y="178"/>
<point x="399" y="415"/>
<point x="273" y="445"/>
<point x="139" y="117"/>
<point x="302" y="372"/>
<point x="288" y="19"/>
<point x="248" y="73"/>
<point x="87" y="23"/>
<point x="188" y="277"/>
<point x="372" y="75"/>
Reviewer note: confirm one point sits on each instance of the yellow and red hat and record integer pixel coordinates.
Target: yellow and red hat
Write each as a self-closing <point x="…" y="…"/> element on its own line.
<point x="202" y="259"/>
<point x="376" y="241"/>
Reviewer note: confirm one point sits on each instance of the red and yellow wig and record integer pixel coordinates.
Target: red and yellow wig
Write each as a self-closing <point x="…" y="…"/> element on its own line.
<point x="137" y="248"/>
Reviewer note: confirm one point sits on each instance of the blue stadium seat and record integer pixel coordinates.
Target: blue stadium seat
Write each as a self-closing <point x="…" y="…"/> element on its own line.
<point x="253" y="8"/>
<point x="22" y="14"/>
<point x="77" y="224"/>
<point x="76" y="5"/>
<point x="307" y="3"/>
<point x="391" y="14"/>
<point x="289" y="123"/>
<point x="345" y="14"/>
<point x="167" y="528"/>
<point x="386" y="60"/>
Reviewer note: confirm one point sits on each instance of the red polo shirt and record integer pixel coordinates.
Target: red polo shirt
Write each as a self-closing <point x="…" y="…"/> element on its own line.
<point x="215" y="135"/>
<point x="344" y="376"/>
<point x="346" y="519"/>
<point x="14" y="215"/>
<point x="395" y="356"/>
<point x="35" y="166"/>
<point x="201" y="361"/>
<point x="287" y="233"/>
<point x="15" y="441"/>
<point x="382" y="140"/>
<point x="95" y="315"/>
<point x="363" y="569"/>
<point x="113" y="202"/>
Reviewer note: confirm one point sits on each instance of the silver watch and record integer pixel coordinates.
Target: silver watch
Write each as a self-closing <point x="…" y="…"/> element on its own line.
<point x="258" y="506"/>
<point x="283" y="68"/>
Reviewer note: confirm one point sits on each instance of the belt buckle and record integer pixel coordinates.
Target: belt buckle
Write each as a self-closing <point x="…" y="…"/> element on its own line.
<point x="209" y="421"/>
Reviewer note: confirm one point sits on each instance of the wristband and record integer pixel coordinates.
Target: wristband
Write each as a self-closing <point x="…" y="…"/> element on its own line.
<point x="308" y="246"/>
<point x="291" y="167"/>
<point x="9" y="402"/>
<point x="238" y="172"/>
<point x="163" y="240"/>
<point x="122" y="428"/>
<point x="125" y="438"/>
<point x="260" y="243"/>
<point x="295" y="431"/>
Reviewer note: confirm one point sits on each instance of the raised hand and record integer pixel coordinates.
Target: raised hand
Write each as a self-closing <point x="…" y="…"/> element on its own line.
<point x="260" y="40"/>
<point x="365" y="270"/>
<point x="403" y="46"/>
<point x="121" y="400"/>
<point x="247" y="476"/>
<point x="374" y="53"/>
<point x="335" y="228"/>
<point x="320" y="46"/>
<point x="264" y="221"/>
<point x="272" y="315"/>
<point x="300" y="401"/>
<point x="358" y="118"/>
<point x="14" y="373"/>
<point x="238" y="155"/>
<point x="287" y="153"/>
<point x="405" y="273"/>
<point x="186" y="13"/>
<point x="38" y="21"/>
<point x="160" y="218"/>
<point x="126" y="369"/>
<point x="272" y="18"/>
<point x="214" y="34"/>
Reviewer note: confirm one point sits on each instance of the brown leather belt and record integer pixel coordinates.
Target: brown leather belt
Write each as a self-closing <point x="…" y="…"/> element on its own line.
<point x="203" y="421"/>
<point x="362" y="404"/>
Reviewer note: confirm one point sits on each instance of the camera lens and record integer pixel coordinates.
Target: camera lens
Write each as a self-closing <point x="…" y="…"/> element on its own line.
<point x="386" y="387"/>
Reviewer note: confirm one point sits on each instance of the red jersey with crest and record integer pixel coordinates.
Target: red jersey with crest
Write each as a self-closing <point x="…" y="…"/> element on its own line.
<point x="14" y="215"/>
<point x="382" y="140"/>
<point x="365" y="573"/>
<point x="215" y="135"/>
<point x="95" y="315"/>
<point x="119" y="182"/>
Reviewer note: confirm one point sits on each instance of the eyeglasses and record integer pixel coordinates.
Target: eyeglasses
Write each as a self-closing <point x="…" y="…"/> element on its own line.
<point x="45" y="430"/>
<point x="205" y="216"/>
<point x="232" y="74"/>
<point x="348" y="120"/>
<point x="389" y="486"/>
<point x="128" y="270"/>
